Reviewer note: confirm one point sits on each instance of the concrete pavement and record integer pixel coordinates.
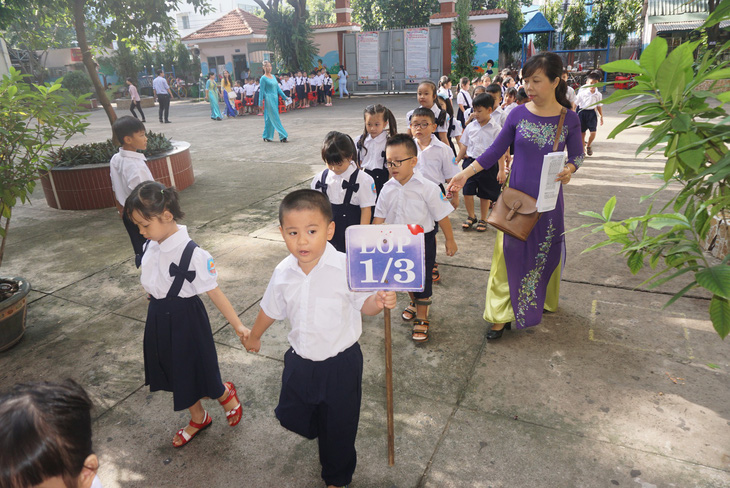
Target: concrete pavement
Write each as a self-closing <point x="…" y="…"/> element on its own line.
<point x="612" y="390"/>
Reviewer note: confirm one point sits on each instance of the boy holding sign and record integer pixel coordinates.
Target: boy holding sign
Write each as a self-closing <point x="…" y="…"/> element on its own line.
<point x="321" y="384"/>
<point x="409" y="198"/>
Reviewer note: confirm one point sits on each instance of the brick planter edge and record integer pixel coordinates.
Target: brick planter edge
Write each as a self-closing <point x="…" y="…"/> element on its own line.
<point x="89" y="186"/>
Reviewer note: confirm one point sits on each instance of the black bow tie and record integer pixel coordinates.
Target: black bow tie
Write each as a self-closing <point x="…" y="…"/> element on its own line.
<point x="321" y="186"/>
<point x="176" y="271"/>
<point x="346" y="184"/>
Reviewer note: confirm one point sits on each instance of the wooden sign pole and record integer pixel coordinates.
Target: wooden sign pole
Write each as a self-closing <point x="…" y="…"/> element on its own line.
<point x="389" y="387"/>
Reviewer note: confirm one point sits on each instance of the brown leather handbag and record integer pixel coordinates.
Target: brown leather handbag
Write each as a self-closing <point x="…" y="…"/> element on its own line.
<point x="515" y="212"/>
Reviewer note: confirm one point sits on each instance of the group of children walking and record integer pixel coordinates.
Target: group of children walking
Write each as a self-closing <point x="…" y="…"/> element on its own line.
<point x="386" y="177"/>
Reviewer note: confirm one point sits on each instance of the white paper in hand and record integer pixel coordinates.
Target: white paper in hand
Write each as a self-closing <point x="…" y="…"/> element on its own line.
<point x="552" y="164"/>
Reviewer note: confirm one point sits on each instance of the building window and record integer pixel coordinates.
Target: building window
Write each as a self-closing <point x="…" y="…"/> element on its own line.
<point x="183" y="22"/>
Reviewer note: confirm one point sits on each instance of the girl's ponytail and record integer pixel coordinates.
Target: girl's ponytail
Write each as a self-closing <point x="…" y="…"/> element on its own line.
<point x="387" y="117"/>
<point x="151" y="199"/>
<point x="442" y="115"/>
<point x="392" y="124"/>
<point x="561" y="94"/>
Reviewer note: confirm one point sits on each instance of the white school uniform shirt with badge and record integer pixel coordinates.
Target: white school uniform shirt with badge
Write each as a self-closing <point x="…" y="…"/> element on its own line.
<point x="478" y="138"/>
<point x="324" y="314"/>
<point x="419" y="201"/>
<point x="584" y="99"/>
<point x="436" y="162"/>
<point x="365" y="195"/>
<point x="156" y="261"/>
<point x="249" y="90"/>
<point x="373" y="158"/>
<point x="499" y="116"/>
<point x="436" y="112"/>
<point x="127" y="170"/>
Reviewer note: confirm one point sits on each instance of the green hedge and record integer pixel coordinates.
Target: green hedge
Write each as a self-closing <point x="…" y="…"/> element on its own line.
<point x="102" y="152"/>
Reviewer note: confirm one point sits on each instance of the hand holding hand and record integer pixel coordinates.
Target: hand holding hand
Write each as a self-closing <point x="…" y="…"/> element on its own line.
<point x="252" y="344"/>
<point x="242" y="332"/>
<point x="501" y="177"/>
<point x="457" y="183"/>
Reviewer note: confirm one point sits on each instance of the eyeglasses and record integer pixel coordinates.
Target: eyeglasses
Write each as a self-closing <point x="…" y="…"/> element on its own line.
<point x="397" y="163"/>
<point x="422" y="125"/>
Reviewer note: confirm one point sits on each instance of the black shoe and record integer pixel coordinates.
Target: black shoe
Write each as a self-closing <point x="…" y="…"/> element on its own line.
<point x="283" y="140"/>
<point x="161" y="121"/>
<point x="144" y="120"/>
<point x="267" y="140"/>
<point x="496" y="334"/>
<point x="168" y="122"/>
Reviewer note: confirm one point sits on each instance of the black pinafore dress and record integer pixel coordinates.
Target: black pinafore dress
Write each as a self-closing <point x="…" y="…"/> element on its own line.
<point x="179" y="353"/>
<point x="344" y="214"/>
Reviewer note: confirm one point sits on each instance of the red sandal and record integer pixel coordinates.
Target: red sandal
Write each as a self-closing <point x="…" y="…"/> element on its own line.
<point x="236" y="411"/>
<point x="207" y="420"/>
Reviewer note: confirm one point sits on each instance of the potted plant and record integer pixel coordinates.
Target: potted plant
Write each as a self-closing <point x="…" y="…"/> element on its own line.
<point x="694" y="136"/>
<point x="34" y="119"/>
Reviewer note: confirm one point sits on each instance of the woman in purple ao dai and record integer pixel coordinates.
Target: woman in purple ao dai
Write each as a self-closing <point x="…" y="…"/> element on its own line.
<point x="525" y="276"/>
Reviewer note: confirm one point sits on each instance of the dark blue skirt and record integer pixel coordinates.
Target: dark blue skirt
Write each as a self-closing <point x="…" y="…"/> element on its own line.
<point x="179" y="353"/>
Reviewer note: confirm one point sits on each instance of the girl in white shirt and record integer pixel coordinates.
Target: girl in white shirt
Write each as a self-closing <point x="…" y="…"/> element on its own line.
<point x="379" y="125"/>
<point x="179" y="353"/>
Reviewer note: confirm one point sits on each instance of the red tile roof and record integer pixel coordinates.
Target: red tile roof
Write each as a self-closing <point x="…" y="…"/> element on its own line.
<point x="237" y="22"/>
<point x="473" y="13"/>
<point x="338" y="24"/>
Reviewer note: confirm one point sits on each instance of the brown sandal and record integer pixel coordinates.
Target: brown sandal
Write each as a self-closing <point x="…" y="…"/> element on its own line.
<point x="420" y="330"/>
<point x="482" y="226"/>
<point x="409" y="313"/>
<point x="469" y="223"/>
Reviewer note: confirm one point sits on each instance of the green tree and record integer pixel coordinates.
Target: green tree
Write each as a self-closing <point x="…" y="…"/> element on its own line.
<point x="125" y="62"/>
<point x="626" y="22"/>
<point x="321" y="12"/>
<point x="464" y="46"/>
<point x="551" y="10"/>
<point x="510" y="40"/>
<point x="289" y="34"/>
<point x="391" y="14"/>
<point x="150" y="20"/>
<point x="574" y="24"/>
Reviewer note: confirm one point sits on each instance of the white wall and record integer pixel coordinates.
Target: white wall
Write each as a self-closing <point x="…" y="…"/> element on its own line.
<point x="197" y="21"/>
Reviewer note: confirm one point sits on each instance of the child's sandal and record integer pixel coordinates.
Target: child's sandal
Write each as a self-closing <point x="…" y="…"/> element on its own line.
<point x="482" y="226"/>
<point x="185" y="437"/>
<point x="468" y="223"/>
<point x="233" y="415"/>
<point x="420" y="330"/>
<point x="409" y="313"/>
<point x="435" y="275"/>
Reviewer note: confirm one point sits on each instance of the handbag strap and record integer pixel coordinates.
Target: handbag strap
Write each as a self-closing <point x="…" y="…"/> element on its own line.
<point x="560" y="129"/>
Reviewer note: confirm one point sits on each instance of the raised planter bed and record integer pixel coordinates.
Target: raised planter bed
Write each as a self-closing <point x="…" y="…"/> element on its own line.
<point x="124" y="103"/>
<point x="89" y="186"/>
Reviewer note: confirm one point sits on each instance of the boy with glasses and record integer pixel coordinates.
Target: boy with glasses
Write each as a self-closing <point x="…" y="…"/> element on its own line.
<point x="409" y="198"/>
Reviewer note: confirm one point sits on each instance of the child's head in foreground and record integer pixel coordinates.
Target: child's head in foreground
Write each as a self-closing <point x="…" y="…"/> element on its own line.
<point x="338" y="149"/>
<point x="401" y="156"/>
<point x="130" y="132"/>
<point x="305" y="222"/>
<point x="483" y="107"/>
<point x="423" y="123"/>
<point x="46" y="436"/>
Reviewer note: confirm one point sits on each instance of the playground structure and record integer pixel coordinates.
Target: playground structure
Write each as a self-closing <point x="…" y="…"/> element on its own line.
<point x="539" y="25"/>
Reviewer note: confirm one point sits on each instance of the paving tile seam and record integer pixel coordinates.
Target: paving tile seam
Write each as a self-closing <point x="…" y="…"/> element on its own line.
<point x="459" y="399"/>
<point x="227" y="324"/>
<point x="251" y="204"/>
<point x="582" y="282"/>
<point x="97" y="309"/>
<point x="594" y="439"/>
<point x="98" y="417"/>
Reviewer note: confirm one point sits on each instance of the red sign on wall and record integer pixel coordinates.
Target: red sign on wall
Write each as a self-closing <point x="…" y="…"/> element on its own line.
<point x="76" y="56"/>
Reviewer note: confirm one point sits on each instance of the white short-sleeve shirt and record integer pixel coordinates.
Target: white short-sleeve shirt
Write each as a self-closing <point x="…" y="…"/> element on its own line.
<point x="372" y="155"/>
<point x="127" y="170"/>
<point x="571" y="94"/>
<point x="249" y="90"/>
<point x="464" y="98"/>
<point x="363" y="197"/>
<point x="436" y="112"/>
<point x="499" y="116"/>
<point x="324" y="314"/>
<point x="584" y="99"/>
<point x="478" y="138"/>
<point x="419" y="201"/>
<point x="156" y="279"/>
<point x="436" y="162"/>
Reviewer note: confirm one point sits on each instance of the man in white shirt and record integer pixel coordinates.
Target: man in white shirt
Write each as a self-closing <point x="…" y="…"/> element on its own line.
<point x="162" y="94"/>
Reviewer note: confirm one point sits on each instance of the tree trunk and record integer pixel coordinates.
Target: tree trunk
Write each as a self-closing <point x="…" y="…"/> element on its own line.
<point x="77" y="6"/>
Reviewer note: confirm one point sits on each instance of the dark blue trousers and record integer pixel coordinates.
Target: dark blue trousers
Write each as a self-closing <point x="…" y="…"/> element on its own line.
<point x="321" y="399"/>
